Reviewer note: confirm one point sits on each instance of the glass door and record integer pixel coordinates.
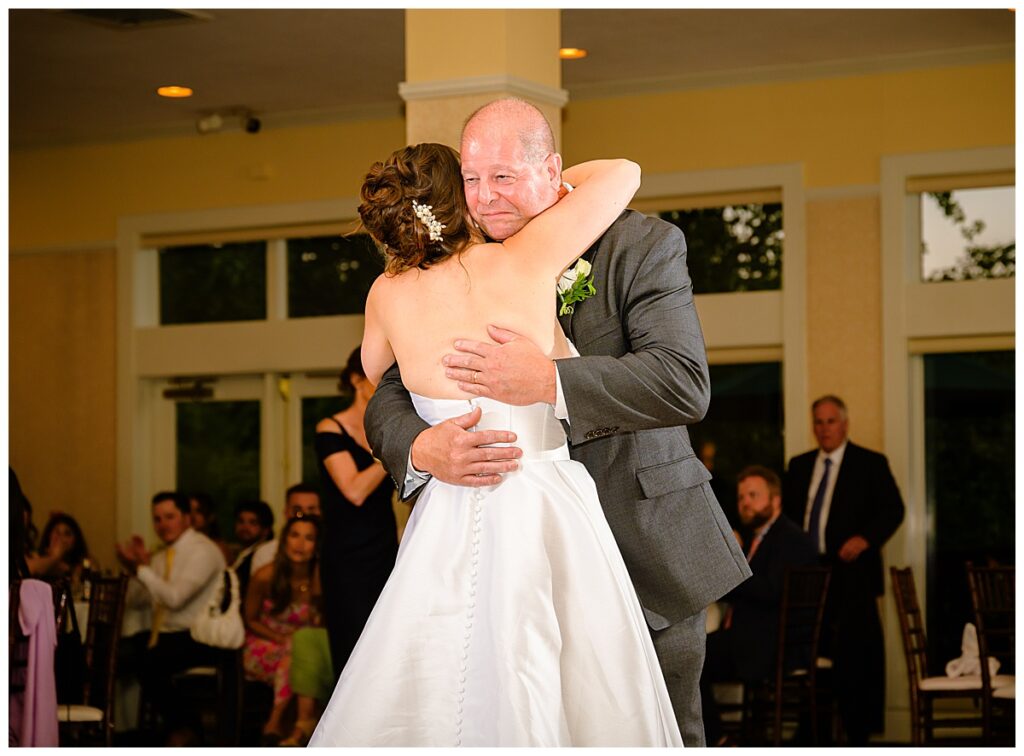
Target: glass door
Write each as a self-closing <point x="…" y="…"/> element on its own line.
<point x="311" y="398"/>
<point x="210" y="436"/>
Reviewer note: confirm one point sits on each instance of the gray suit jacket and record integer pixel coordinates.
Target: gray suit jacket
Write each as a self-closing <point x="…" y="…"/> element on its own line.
<point x="641" y="378"/>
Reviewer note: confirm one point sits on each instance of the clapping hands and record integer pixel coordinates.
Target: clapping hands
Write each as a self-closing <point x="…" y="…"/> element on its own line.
<point x="132" y="553"/>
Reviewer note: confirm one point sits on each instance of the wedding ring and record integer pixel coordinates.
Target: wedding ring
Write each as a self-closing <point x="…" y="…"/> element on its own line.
<point x="475" y="374"/>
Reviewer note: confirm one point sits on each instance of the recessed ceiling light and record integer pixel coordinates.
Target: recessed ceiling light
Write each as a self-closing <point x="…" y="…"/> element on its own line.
<point x="572" y="53"/>
<point x="174" y="91"/>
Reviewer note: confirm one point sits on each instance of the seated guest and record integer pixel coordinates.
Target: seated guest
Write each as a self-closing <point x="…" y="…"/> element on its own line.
<point x="63" y="536"/>
<point x="312" y="681"/>
<point x="302" y="497"/>
<point x="178" y="581"/>
<point x="25" y="561"/>
<point x="745" y="646"/>
<point x="254" y="525"/>
<point x="204" y="520"/>
<point x="283" y="596"/>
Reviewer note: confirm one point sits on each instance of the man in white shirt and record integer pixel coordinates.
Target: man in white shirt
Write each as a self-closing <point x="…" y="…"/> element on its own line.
<point x="178" y="581"/>
<point x="302" y="497"/>
<point x="845" y="498"/>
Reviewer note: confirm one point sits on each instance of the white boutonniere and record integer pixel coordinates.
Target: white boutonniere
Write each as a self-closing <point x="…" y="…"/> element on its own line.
<point x="575" y="285"/>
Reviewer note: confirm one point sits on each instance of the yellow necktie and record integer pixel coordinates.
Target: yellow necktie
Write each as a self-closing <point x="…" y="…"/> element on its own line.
<point x="158" y="612"/>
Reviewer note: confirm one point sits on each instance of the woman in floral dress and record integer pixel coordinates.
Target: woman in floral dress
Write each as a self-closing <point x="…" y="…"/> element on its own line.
<point x="283" y="596"/>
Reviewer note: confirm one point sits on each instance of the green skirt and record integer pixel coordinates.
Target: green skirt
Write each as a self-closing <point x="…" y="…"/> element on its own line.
<point x="311" y="671"/>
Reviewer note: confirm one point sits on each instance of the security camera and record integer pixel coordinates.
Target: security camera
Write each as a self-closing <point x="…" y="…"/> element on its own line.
<point x="253" y="124"/>
<point x="209" y="123"/>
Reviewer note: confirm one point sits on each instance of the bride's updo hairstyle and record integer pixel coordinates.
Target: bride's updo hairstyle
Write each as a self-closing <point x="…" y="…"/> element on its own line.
<point x="429" y="174"/>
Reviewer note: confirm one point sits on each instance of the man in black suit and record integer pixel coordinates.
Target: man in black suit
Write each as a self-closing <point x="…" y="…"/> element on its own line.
<point x="844" y="496"/>
<point x="745" y="647"/>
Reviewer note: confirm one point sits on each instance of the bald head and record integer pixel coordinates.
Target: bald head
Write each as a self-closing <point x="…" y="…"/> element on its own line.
<point x="512" y="115"/>
<point x="510" y="170"/>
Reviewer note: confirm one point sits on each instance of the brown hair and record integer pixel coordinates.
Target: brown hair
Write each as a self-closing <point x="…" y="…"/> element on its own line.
<point x="353" y="367"/>
<point x="281" y="579"/>
<point x="767" y="474"/>
<point x="428" y="173"/>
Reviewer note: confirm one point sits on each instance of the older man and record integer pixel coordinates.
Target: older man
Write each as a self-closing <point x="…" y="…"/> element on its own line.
<point x="846" y="499"/>
<point x="625" y="403"/>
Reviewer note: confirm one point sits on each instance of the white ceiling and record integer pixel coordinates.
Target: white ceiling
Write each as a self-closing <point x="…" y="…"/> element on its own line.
<point x="74" y="81"/>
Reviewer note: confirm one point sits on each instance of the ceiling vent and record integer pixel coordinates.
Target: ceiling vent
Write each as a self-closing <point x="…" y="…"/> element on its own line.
<point x="126" y="18"/>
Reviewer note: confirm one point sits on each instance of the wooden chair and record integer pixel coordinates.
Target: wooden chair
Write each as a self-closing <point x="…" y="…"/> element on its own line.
<point x="794" y="695"/>
<point x="216" y="693"/>
<point x="93" y="720"/>
<point x="992" y="599"/>
<point x="926" y="690"/>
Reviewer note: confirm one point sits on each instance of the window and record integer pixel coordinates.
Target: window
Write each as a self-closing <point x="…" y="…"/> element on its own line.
<point x="969" y="482"/>
<point x="213" y="283"/>
<point x="331" y="275"/>
<point x="967" y="234"/>
<point x="743" y="426"/>
<point x="218" y="453"/>
<point x="736" y="247"/>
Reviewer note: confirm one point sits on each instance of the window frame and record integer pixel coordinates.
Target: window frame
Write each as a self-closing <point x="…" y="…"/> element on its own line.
<point x="148" y="353"/>
<point x="753" y="326"/>
<point x="921" y="317"/>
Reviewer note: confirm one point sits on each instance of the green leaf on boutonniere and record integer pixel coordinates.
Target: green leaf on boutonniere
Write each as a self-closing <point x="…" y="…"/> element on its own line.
<point x="575" y="285"/>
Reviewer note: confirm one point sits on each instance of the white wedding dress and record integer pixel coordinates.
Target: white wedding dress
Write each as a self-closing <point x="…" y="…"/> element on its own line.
<point x="509" y="619"/>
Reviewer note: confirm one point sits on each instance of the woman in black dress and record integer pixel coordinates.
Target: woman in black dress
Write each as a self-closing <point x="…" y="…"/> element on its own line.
<point x="361" y="538"/>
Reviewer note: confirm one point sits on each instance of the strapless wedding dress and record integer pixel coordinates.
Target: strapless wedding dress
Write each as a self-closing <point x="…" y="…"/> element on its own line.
<point x="509" y="619"/>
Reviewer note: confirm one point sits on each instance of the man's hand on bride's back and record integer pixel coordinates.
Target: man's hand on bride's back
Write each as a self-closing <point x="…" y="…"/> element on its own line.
<point x="514" y="370"/>
<point x="454" y="454"/>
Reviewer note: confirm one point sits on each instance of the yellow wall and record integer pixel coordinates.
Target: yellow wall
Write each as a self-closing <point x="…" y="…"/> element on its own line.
<point x="62" y="396"/>
<point x="61" y="309"/>
<point x="69" y="195"/>
<point x="839" y="127"/>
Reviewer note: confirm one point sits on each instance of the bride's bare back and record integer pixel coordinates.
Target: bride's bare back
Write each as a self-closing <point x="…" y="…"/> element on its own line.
<point x="414" y="317"/>
<point x="426" y="310"/>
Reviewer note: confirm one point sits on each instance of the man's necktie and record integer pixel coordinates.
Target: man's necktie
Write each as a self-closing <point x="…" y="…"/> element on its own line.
<point x="814" y="524"/>
<point x="160" y="610"/>
<point x="753" y="546"/>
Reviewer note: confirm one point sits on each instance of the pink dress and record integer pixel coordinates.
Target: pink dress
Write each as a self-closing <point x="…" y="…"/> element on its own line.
<point x="269" y="661"/>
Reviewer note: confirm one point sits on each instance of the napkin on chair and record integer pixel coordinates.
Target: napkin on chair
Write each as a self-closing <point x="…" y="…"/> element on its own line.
<point x="968" y="662"/>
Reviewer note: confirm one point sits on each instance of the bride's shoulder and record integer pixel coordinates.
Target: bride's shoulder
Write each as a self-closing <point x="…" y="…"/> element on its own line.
<point x="387" y="282"/>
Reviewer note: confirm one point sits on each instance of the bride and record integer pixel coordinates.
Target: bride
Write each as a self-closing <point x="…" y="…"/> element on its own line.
<point x="509" y="619"/>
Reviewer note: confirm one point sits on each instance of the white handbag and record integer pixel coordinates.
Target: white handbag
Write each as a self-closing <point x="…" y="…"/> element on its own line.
<point x="218" y="626"/>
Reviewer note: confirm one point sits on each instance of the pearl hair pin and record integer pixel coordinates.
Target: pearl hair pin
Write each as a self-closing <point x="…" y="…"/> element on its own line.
<point x="423" y="212"/>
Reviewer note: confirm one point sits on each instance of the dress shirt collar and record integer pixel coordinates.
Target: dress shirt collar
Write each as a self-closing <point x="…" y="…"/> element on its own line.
<point x="836" y="455"/>
<point x="186" y="537"/>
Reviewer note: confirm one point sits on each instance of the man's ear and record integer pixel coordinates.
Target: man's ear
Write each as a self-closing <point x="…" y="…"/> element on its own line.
<point x="553" y="165"/>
